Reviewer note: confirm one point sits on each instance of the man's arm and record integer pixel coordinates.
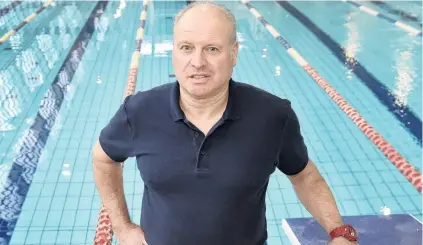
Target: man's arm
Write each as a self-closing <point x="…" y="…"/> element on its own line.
<point x="108" y="178"/>
<point x="316" y="197"/>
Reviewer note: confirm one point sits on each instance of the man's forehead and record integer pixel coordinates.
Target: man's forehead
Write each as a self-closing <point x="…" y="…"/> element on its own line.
<point x="202" y="33"/>
<point x="201" y="15"/>
<point x="199" y="18"/>
<point x="206" y="20"/>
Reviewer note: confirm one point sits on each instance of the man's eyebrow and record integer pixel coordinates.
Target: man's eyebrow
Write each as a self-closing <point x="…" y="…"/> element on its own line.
<point x="183" y="42"/>
<point x="206" y="45"/>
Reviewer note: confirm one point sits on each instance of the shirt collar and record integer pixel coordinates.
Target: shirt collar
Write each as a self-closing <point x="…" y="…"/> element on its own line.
<point x="232" y="111"/>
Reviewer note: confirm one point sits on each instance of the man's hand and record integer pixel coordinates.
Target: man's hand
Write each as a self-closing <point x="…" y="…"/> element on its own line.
<point x="131" y="235"/>
<point x="342" y="241"/>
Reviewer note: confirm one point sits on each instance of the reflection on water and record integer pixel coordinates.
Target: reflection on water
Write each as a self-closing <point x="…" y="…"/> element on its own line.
<point x="101" y="25"/>
<point x="28" y="63"/>
<point x="10" y="106"/>
<point x="406" y="75"/>
<point x="25" y="71"/>
<point x="46" y="45"/>
<point x="352" y="45"/>
<point x="16" y="41"/>
<point x="157" y="49"/>
<point x="122" y="6"/>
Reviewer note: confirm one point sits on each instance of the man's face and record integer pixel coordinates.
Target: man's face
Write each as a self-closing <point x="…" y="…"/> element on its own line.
<point x="203" y="53"/>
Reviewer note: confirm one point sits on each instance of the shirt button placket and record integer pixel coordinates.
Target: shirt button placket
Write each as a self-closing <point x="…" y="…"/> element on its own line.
<point x="201" y="165"/>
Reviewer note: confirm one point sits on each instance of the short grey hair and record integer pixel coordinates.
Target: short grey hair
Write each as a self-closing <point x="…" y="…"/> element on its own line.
<point x="226" y="12"/>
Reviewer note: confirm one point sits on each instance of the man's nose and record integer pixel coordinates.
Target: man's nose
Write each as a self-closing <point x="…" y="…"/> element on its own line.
<point x="198" y="59"/>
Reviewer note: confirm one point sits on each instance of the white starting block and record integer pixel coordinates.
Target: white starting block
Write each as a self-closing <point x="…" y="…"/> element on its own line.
<point x="396" y="229"/>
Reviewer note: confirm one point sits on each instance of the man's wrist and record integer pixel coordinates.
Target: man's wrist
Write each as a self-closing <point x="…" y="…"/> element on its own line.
<point x="338" y="239"/>
<point x="122" y="226"/>
<point x="334" y="226"/>
<point x="344" y="231"/>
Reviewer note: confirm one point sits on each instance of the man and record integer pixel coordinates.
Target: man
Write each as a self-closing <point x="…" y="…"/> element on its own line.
<point x="205" y="147"/>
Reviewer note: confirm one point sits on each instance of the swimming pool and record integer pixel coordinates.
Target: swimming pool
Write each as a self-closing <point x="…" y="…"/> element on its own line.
<point x="64" y="74"/>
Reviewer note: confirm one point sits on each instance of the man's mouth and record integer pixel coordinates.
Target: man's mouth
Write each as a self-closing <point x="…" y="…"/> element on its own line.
<point x="199" y="76"/>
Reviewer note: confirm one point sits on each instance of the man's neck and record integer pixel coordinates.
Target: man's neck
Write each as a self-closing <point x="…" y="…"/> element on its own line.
<point x="204" y="109"/>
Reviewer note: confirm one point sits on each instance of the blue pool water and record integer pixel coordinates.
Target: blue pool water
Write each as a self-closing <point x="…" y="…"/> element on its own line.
<point x="63" y="75"/>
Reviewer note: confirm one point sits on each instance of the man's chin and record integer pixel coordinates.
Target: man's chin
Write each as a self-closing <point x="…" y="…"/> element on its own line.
<point x="199" y="91"/>
<point x="199" y="81"/>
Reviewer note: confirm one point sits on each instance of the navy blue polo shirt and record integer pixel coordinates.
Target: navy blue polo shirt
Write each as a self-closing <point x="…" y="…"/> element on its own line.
<point x="206" y="189"/>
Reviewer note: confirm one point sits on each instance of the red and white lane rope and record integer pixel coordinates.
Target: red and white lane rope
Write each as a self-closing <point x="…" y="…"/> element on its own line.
<point x="104" y="230"/>
<point x="406" y="169"/>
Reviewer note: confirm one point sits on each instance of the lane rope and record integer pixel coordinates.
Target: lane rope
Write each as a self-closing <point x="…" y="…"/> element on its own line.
<point x="406" y="16"/>
<point x="404" y="167"/>
<point x="104" y="230"/>
<point x="9" y="8"/>
<point x="28" y="19"/>
<point x="411" y="30"/>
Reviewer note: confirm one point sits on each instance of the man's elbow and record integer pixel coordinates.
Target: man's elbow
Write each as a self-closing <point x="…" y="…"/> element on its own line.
<point x="99" y="156"/>
<point x="310" y="174"/>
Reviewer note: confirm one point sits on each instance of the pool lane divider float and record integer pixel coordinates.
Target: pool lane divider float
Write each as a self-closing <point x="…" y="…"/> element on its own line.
<point x="411" y="30"/>
<point x="9" y="7"/>
<point x="406" y="169"/>
<point x="403" y="113"/>
<point x="400" y="13"/>
<point x="29" y="18"/>
<point x="104" y="231"/>
<point x="133" y="70"/>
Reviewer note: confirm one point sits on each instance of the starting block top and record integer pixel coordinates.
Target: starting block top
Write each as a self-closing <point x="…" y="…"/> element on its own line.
<point x="393" y="229"/>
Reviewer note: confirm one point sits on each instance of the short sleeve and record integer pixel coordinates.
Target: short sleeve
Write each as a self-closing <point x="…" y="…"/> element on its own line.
<point x="293" y="154"/>
<point x="117" y="138"/>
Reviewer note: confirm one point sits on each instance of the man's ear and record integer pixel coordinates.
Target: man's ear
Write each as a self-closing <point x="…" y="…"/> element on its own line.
<point x="235" y="53"/>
